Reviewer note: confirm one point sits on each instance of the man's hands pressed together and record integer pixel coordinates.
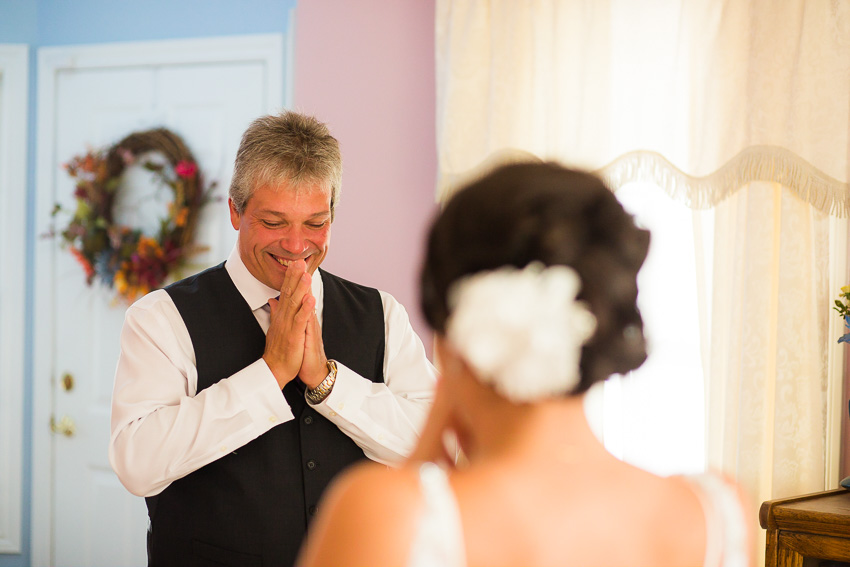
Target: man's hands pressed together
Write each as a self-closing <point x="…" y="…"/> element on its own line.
<point x="314" y="367"/>
<point x="294" y="340"/>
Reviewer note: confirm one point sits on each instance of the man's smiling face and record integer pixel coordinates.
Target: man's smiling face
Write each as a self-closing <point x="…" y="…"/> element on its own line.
<point x="282" y="223"/>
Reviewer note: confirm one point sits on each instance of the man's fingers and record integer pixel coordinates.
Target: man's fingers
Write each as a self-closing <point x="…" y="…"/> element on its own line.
<point x="295" y="289"/>
<point x="314" y="331"/>
<point x="290" y="279"/>
<point x="292" y="296"/>
<point x="289" y="315"/>
<point x="306" y="311"/>
<point x="315" y="365"/>
<point x="274" y="305"/>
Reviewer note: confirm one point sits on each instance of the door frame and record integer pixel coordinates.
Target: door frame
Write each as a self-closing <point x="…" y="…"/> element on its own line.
<point x="266" y="49"/>
<point x="14" y="79"/>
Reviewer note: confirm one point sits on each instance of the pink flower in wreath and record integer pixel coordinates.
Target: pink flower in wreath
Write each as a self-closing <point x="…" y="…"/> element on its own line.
<point x="126" y="156"/>
<point x="186" y="169"/>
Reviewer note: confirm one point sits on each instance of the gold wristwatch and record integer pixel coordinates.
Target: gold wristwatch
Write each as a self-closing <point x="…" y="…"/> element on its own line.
<point x="320" y="392"/>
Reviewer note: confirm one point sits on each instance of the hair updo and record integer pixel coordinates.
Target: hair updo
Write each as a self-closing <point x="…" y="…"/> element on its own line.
<point x="543" y="212"/>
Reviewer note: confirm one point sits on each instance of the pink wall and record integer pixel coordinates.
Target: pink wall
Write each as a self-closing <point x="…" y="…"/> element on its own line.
<point x="366" y="68"/>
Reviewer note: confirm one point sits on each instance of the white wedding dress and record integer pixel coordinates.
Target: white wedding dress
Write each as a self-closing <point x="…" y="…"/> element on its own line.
<point x="439" y="541"/>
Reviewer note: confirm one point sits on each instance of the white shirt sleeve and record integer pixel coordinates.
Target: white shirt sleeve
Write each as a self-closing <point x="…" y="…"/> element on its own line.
<point x="161" y="430"/>
<point x="385" y="419"/>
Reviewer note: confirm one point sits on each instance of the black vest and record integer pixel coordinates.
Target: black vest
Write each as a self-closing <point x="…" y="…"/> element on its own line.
<point x="252" y="506"/>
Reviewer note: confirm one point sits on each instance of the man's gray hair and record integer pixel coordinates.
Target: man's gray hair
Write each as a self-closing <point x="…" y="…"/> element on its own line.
<point x="288" y="147"/>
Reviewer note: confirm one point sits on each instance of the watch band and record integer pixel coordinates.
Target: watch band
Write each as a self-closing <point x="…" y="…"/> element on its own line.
<point x="319" y="393"/>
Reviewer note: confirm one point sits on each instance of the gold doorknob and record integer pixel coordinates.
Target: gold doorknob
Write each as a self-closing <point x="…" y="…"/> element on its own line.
<point x="65" y="426"/>
<point x="67" y="382"/>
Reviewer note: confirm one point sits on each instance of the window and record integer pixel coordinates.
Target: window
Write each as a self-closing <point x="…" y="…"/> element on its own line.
<point x="654" y="417"/>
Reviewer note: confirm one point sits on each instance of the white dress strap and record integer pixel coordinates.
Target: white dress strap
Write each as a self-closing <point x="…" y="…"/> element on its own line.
<point x="439" y="539"/>
<point x="726" y="529"/>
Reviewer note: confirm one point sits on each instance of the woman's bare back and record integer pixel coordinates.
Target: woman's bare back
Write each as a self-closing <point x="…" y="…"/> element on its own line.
<point x="549" y="513"/>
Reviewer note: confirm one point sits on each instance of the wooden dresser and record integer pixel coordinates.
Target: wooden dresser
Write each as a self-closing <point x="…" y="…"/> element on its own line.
<point x="811" y="527"/>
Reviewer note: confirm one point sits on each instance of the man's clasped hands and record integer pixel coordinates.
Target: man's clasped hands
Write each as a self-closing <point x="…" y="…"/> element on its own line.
<point x="294" y="345"/>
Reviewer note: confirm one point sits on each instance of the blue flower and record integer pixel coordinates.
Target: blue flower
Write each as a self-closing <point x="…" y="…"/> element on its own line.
<point x="106" y="264"/>
<point x="845" y="338"/>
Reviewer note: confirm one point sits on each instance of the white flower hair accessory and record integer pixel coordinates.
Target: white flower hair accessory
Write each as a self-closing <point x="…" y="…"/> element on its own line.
<point x="521" y="330"/>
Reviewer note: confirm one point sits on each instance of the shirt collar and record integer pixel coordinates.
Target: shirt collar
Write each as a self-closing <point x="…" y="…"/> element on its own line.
<point x="255" y="292"/>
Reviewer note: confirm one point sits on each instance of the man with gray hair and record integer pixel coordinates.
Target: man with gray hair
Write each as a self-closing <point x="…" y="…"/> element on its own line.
<point x="241" y="391"/>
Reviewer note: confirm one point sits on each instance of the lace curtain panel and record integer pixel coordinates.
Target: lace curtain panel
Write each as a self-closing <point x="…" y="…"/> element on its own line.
<point x="674" y="89"/>
<point x="741" y="107"/>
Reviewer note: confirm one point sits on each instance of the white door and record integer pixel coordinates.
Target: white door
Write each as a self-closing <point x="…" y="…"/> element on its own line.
<point x="203" y="91"/>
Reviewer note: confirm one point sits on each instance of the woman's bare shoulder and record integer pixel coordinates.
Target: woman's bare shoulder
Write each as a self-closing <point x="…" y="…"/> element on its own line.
<point x="366" y="486"/>
<point x="367" y="516"/>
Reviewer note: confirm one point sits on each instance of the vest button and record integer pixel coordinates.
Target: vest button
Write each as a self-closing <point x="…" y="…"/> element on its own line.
<point x="311" y="464"/>
<point x="311" y="510"/>
<point x="308" y="420"/>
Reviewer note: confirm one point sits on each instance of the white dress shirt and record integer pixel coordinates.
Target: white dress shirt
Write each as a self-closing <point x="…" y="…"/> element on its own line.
<point x="162" y="430"/>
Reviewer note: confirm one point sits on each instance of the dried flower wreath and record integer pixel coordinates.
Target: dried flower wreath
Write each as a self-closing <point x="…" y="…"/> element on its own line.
<point x="124" y="258"/>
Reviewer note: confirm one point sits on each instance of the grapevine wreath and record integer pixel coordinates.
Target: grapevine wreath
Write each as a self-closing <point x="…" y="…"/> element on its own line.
<point x="119" y="256"/>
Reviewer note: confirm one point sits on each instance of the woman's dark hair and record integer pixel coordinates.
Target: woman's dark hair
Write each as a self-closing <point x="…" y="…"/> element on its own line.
<point x="546" y="213"/>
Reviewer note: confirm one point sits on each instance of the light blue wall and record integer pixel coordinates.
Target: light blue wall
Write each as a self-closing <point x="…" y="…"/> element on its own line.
<point x="41" y="23"/>
<point x="18" y="21"/>
<point x="18" y="24"/>
<point x="63" y="22"/>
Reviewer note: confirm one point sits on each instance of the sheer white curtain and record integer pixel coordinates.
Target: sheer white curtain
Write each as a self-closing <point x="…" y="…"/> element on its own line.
<point x="740" y="107"/>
